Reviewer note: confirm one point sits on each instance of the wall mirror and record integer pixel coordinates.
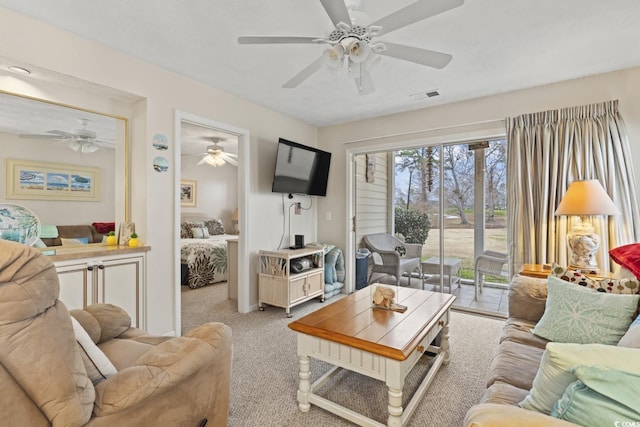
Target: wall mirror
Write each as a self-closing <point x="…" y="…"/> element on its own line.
<point x="55" y="141"/>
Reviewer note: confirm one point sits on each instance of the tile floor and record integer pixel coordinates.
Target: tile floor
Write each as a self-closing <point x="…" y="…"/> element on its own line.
<point x="493" y="301"/>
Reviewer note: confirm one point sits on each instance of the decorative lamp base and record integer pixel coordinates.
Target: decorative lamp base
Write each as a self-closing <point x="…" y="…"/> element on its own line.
<point x="584" y="244"/>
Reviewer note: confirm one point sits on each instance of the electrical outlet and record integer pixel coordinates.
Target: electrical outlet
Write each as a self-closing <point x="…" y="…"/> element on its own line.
<point x="327" y="216"/>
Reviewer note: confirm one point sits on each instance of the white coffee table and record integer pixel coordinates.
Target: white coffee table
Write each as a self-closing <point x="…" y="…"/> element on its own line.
<point x="450" y="269"/>
<point x="381" y="344"/>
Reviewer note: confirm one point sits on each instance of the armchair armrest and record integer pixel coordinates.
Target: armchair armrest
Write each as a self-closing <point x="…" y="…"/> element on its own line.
<point x="164" y="367"/>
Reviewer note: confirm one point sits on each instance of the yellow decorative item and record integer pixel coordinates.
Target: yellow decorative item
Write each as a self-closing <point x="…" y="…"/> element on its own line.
<point x="111" y="239"/>
<point x="133" y="242"/>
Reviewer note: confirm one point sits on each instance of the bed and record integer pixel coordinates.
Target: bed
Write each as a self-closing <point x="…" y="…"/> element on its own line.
<point x="203" y="254"/>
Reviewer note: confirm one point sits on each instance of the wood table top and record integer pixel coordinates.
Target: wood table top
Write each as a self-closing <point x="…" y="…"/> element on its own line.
<point x="352" y="321"/>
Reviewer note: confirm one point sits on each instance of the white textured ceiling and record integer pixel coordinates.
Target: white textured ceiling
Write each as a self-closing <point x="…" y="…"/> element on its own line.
<point x="497" y="46"/>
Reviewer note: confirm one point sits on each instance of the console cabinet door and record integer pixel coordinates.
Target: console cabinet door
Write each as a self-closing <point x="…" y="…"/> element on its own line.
<point x="76" y="285"/>
<point x="298" y="289"/>
<point x="315" y="283"/>
<point x="120" y="283"/>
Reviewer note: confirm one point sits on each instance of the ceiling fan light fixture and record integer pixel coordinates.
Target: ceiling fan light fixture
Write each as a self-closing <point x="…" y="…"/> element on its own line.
<point x="358" y="51"/>
<point x="333" y="56"/>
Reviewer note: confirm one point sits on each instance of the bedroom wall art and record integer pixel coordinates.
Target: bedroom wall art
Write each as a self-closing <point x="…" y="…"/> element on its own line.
<point x="188" y="193"/>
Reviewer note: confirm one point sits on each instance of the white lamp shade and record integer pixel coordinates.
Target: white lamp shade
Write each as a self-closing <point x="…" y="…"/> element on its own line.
<point x="358" y="51"/>
<point x="586" y="197"/>
<point x="333" y="57"/>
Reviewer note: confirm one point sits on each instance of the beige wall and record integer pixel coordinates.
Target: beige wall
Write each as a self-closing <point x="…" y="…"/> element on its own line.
<point x="161" y="94"/>
<point x="482" y="114"/>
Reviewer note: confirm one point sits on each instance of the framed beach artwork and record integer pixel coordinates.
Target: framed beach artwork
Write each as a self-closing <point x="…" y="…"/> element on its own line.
<point x="27" y="179"/>
<point x="188" y="192"/>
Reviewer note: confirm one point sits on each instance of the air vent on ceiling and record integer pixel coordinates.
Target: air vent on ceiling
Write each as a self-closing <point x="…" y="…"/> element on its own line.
<point x="425" y="94"/>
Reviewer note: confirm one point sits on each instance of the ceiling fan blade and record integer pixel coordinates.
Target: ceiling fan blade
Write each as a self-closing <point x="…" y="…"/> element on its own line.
<point x="276" y="39"/>
<point x="337" y="11"/>
<point x="430" y="58"/>
<point x="201" y="162"/>
<point x="35" y="136"/>
<point x="304" y="74"/>
<point x="61" y="133"/>
<point x="364" y="83"/>
<point x="415" y="12"/>
<point x="229" y="160"/>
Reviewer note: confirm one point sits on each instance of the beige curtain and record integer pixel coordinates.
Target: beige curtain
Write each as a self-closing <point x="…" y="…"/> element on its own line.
<point x="546" y="152"/>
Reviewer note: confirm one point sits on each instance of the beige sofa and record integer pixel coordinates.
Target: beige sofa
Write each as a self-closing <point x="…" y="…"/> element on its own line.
<point x="89" y="232"/>
<point x="516" y="363"/>
<point x="160" y="381"/>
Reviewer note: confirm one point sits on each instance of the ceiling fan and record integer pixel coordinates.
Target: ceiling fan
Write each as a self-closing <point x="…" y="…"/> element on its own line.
<point x="216" y="156"/>
<point x="81" y="139"/>
<point x="351" y="42"/>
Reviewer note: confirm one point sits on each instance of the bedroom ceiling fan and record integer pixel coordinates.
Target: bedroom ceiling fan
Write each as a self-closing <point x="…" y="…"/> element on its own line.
<point x="216" y="156"/>
<point x="351" y="43"/>
<point x="81" y="139"/>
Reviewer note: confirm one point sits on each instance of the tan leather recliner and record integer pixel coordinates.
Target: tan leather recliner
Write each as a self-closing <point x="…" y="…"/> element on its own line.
<point x="160" y="381"/>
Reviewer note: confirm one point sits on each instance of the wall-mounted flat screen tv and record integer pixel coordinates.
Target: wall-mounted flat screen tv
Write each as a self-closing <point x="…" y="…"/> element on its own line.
<point x="301" y="169"/>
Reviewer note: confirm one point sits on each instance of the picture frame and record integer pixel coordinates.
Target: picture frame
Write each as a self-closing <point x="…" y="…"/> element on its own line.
<point x="188" y="193"/>
<point x="125" y="232"/>
<point x="31" y="180"/>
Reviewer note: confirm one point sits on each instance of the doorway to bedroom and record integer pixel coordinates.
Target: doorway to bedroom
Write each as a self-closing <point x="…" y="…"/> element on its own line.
<point x="211" y="161"/>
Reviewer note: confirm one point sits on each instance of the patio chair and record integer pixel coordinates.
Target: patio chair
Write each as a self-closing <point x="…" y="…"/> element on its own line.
<point x="387" y="257"/>
<point x="490" y="262"/>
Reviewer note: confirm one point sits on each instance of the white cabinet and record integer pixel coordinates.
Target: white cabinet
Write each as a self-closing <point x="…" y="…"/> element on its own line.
<point x="117" y="279"/>
<point x="279" y="285"/>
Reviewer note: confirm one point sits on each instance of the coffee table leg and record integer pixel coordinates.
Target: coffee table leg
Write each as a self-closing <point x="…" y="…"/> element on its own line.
<point x="305" y="384"/>
<point x="444" y="342"/>
<point x="395" y="407"/>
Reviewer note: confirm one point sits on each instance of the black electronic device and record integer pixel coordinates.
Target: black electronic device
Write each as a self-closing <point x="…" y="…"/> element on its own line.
<point x="299" y="265"/>
<point x="300" y="169"/>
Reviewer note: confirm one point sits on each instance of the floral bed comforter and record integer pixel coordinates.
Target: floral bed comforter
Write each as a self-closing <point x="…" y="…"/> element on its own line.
<point x="206" y="261"/>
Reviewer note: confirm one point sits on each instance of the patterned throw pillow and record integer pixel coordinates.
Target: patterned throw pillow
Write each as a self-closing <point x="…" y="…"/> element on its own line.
<point x="200" y="232"/>
<point x="214" y="226"/>
<point x="186" y="226"/>
<point x="612" y="286"/>
<point x="574" y="314"/>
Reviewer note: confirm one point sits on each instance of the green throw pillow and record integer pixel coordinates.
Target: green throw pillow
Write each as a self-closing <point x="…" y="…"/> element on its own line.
<point x="574" y="314"/>
<point x="554" y="374"/>
<point x="601" y="397"/>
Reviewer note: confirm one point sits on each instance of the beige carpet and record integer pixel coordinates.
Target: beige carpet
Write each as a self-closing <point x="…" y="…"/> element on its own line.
<point x="265" y="368"/>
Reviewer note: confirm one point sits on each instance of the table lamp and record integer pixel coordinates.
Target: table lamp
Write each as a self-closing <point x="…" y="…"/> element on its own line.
<point x="234" y="220"/>
<point x="585" y="198"/>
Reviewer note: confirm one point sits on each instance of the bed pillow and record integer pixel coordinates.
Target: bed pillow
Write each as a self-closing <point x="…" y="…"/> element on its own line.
<point x="98" y="366"/>
<point x="626" y="285"/>
<point x="554" y="374"/>
<point x="200" y="232"/>
<point x="601" y="397"/>
<point x="214" y="226"/>
<point x="186" y="226"/>
<point x="632" y="337"/>
<point x="628" y="256"/>
<point x="574" y="314"/>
